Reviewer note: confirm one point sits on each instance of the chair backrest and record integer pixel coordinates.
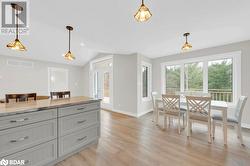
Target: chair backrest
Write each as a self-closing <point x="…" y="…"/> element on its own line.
<point x="199" y="105"/>
<point x="59" y="95"/>
<point x="20" y="97"/>
<point x="240" y="107"/>
<point x="171" y="102"/>
<point x="154" y="96"/>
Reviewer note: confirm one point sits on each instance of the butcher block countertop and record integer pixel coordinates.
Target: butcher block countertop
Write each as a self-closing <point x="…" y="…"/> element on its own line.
<point x="38" y="105"/>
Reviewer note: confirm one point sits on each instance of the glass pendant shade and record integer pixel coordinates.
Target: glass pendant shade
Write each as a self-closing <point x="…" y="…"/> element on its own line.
<point x="143" y="14"/>
<point x="186" y="46"/>
<point x="69" y="56"/>
<point x="16" y="45"/>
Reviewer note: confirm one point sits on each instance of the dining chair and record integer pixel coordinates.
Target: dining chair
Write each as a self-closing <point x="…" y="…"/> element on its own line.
<point x="171" y="106"/>
<point x="234" y="120"/>
<point x="198" y="111"/>
<point x="60" y="95"/>
<point x="154" y="96"/>
<point x="20" y="97"/>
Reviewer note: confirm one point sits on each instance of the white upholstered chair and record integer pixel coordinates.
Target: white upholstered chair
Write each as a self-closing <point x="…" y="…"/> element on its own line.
<point x="171" y="106"/>
<point x="234" y="120"/>
<point x="198" y="111"/>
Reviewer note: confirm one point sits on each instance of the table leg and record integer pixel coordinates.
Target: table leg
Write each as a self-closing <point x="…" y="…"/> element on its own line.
<point x="225" y="126"/>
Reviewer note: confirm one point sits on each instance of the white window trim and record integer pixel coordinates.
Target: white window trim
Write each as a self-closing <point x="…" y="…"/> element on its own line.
<point x="236" y="56"/>
<point x="57" y="69"/>
<point x="148" y="98"/>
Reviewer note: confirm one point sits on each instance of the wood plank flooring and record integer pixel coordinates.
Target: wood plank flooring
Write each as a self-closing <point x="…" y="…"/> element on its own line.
<point x="128" y="141"/>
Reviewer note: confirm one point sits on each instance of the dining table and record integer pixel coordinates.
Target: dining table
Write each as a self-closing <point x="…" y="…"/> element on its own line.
<point x="220" y="106"/>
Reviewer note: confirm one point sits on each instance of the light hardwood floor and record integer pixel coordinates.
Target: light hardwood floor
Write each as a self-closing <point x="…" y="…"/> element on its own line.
<point x="128" y="141"/>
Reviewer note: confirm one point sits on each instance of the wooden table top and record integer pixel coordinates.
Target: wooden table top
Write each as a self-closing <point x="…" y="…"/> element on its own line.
<point x="20" y="107"/>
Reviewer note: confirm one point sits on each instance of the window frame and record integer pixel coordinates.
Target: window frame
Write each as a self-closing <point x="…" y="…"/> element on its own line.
<point x="236" y="58"/>
<point x="149" y="80"/>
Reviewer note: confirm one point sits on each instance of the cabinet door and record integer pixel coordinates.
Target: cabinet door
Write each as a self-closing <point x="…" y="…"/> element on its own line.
<point x="39" y="155"/>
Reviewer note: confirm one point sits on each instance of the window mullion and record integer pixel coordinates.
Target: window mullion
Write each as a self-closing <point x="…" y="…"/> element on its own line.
<point x="182" y="78"/>
<point x="205" y="76"/>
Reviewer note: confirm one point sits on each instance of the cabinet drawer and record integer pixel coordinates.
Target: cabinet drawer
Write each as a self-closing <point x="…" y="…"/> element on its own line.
<point x="26" y="118"/>
<point x="39" y="155"/>
<point x="76" y="140"/>
<point x="16" y="139"/>
<point x="69" y="124"/>
<point x="77" y="109"/>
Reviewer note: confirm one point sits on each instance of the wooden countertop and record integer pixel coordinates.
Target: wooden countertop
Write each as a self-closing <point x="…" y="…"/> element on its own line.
<point x="21" y="107"/>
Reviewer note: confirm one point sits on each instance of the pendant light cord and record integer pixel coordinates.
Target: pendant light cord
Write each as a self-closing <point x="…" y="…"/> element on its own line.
<point x="69" y="40"/>
<point x="142" y="2"/>
<point x="16" y="23"/>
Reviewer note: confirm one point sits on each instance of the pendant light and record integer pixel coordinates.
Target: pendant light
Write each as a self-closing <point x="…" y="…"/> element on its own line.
<point x="69" y="55"/>
<point x="186" y="45"/>
<point x="16" y="45"/>
<point x="143" y="14"/>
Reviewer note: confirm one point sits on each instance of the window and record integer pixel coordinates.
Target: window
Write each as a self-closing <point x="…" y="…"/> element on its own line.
<point x="58" y="79"/>
<point x="220" y="75"/>
<point x="146" y="80"/>
<point x="173" y="78"/>
<point x="220" y="79"/>
<point x="106" y="88"/>
<point x="193" y="77"/>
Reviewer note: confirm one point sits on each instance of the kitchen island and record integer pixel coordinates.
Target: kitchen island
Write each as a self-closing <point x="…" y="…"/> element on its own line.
<point x="44" y="132"/>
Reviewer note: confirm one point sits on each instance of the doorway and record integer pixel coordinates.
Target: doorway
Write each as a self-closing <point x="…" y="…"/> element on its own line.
<point x="102" y="81"/>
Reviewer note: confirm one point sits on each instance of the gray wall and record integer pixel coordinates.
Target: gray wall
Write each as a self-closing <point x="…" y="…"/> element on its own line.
<point x="245" y="68"/>
<point x="124" y="82"/>
<point x="25" y="80"/>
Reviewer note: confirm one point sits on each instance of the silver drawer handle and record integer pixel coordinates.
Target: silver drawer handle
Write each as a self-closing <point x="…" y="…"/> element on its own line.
<point x="19" y="140"/>
<point x="19" y="120"/>
<point x="81" y="108"/>
<point x="81" y="121"/>
<point x="26" y="161"/>
<point x="83" y="138"/>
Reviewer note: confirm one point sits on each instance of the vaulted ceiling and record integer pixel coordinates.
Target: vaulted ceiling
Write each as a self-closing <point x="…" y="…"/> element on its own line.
<point x="108" y="26"/>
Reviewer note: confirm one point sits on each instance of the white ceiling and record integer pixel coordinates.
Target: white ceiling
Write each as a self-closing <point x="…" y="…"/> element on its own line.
<point x="109" y="26"/>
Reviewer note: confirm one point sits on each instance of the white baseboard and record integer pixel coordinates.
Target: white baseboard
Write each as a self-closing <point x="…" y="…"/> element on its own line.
<point x="124" y="112"/>
<point x="245" y="125"/>
<point x="132" y="114"/>
<point x="144" y="112"/>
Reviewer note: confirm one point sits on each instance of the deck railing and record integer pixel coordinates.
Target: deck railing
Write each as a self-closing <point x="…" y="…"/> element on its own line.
<point x="216" y="94"/>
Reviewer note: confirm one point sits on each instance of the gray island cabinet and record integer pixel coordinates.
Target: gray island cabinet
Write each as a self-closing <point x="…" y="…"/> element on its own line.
<point x="44" y="132"/>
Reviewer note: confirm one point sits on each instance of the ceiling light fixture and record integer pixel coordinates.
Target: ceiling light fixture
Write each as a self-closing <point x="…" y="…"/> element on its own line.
<point x="69" y="55"/>
<point x="143" y="14"/>
<point x="186" y="45"/>
<point x="16" y="45"/>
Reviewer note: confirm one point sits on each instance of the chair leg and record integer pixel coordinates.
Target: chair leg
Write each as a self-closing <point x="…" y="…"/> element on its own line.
<point x="179" y="125"/>
<point x="165" y="123"/>
<point x="169" y="120"/>
<point x="213" y="129"/>
<point x="153" y="118"/>
<point x="188" y="128"/>
<point x="209" y="132"/>
<point x="183" y="121"/>
<point x="240" y="135"/>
